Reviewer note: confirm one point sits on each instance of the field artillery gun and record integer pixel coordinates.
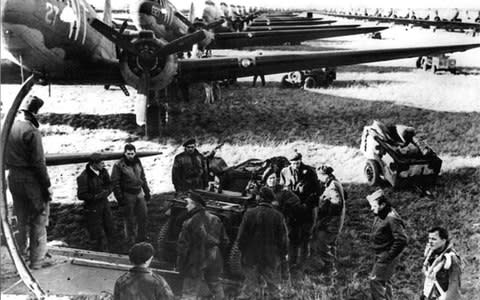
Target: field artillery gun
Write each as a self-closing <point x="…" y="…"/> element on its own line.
<point x="321" y="77"/>
<point x="397" y="158"/>
<point x="228" y="197"/>
<point x="437" y="63"/>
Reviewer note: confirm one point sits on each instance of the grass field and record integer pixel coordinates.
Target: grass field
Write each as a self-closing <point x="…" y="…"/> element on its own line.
<point x="325" y="125"/>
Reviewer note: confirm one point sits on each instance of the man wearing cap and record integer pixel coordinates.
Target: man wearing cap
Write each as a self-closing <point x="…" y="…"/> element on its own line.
<point x="131" y="190"/>
<point x="388" y="239"/>
<point x="140" y="282"/>
<point x="329" y="220"/>
<point x="29" y="182"/>
<point x="94" y="186"/>
<point x="199" y="248"/>
<point x="302" y="180"/>
<point x="189" y="170"/>
<point x="263" y="242"/>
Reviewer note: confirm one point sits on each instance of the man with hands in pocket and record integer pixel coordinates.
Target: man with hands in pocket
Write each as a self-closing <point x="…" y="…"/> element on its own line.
<point x="388" y="241"/>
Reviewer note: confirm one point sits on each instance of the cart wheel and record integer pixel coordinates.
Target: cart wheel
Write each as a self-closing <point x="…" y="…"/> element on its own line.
<point x="162" y="241"/>
<point x="310" y="83"/>
<point x="235" y="260"/>
<point x="372" y="172"/>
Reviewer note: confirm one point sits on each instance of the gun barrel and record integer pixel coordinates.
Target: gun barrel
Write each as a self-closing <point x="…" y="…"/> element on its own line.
<point x="67" y="158"/>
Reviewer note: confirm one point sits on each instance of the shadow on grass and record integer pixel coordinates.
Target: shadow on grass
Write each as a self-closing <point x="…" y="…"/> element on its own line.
<point x="273" y="115"/>
<point x="360" y="83"/>
<point x="454" y="206"/>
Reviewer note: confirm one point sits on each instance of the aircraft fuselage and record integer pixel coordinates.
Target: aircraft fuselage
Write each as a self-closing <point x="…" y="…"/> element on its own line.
<point x="54" y="37"/>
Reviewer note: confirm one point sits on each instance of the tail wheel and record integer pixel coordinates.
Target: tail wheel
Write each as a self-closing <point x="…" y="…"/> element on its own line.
<point x="162" y="242"/>
<point x="235" y="260"/>
<point x="310" y="83"/>
<point x="372" y="172"/>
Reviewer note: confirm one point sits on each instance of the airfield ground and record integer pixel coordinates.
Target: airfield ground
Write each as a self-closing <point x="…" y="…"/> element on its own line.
<point x="323" y="124"/>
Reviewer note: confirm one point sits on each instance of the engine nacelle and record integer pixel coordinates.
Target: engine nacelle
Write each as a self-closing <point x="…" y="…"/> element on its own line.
<point x="161" y="69"/>
<point x="159" y="17"/>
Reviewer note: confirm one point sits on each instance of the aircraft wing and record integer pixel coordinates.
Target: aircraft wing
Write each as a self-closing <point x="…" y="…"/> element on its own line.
<point x="231" y="67"/>
<point x="230" y="40"/>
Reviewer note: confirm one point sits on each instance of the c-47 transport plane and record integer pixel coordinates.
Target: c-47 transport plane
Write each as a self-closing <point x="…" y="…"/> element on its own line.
<point x="63" y="42"/>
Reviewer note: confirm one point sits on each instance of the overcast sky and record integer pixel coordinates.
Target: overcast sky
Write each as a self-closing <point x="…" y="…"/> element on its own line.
<point x="182" y="4"/>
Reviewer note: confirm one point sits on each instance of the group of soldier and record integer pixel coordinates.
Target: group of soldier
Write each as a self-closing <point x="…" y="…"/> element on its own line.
<point x="298" y="214"/>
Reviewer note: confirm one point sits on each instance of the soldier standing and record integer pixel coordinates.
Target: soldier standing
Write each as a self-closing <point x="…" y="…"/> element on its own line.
<point x="94" y="186"/>
<point x="302" y="180"/>
<point x="131" y="190"/>
<point x="140" y="282"/>
<point x="292" y="209"/>
<point x="263" y="242"/>
<point x="199" y="248"/>
<point x="189" y="170"/>
<point x="329" y="220"/>
<point x="29" y="182"/>
<point x="441" y="267"/>
<point x="389" y="240"/>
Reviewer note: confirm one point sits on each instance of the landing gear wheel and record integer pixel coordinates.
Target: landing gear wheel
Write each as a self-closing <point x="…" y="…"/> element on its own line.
<point x="372" y="172"/>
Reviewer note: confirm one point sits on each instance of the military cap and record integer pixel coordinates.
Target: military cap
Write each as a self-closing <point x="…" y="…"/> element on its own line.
<point x="197" y="198"/>
<point x="324" y="169"/>
<point x="296" y="156"/>
<point x="266" y="195"/>
<point x="140" y="253"/>
<point x="191" y="141"/>
<point x="95" y="157"/>
<point x="32" y="104"/>
<point x="375" y="195"/>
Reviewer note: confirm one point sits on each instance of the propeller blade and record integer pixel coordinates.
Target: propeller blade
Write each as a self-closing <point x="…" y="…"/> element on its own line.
<point x="182" y="44"/>
<point x="183" y="19"/>
<point x="123" y="27"/>
<point x="114" y="36"/>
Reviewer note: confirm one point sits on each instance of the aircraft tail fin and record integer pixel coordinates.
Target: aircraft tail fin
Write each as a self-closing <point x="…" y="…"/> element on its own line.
<point x="107" y="12"/>
<point x="191" y="15"/>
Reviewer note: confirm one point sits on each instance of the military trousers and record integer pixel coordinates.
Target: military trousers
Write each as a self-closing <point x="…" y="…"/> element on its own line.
<point x="31" y="207"/>
<point x="99" y="223"/>
<point x="381" y="278"/>
<point x="135" y="214"/>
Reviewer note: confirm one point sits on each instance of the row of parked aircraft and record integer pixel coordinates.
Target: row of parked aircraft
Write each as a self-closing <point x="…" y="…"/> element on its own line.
<point x="66" y="42"/>
<point x="430" y="20"/>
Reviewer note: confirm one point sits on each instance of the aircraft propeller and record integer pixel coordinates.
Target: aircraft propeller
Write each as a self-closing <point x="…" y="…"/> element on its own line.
<point x="145" y="57"/>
